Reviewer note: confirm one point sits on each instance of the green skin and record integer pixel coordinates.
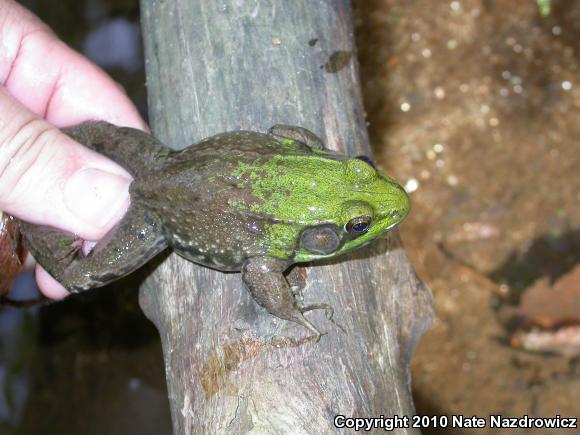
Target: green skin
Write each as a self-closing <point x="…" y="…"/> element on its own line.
<point x="240" y="201"/>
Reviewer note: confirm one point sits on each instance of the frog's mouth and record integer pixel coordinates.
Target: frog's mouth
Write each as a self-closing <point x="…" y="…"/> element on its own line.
<point x="396" y="212"/>
<point x="386" y="231"/>
<point x="399" y="215"/>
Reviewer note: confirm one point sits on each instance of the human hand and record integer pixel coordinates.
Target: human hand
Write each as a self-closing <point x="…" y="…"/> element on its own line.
<point x="45" y="176"/>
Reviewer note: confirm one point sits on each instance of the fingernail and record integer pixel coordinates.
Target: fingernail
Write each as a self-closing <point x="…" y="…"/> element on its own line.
<point x="96" y="196"/>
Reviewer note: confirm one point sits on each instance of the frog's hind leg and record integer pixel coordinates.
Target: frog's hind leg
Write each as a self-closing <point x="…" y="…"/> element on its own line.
<point x="130" y="244"/>
<point x="54" y="249"/>
<point x="298" y="134"/>
<point x="264" y="279"/>
<point x="133" y="149"/>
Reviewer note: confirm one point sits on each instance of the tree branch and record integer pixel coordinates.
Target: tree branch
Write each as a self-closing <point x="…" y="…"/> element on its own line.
<point x="228" y="65"/>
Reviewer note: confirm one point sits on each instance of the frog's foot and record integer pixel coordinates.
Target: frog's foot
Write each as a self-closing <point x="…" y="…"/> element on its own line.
<point x="264" y="279"/>
<point x="298" y="134"/>
<point x="53" y="249"/>
<point x="76" y="246"/>
<point x="299" y="318"/>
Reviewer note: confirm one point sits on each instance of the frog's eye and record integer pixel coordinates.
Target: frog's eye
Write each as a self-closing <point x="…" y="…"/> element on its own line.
<point x="358" y="225"/>
<point x="367" y="160"/>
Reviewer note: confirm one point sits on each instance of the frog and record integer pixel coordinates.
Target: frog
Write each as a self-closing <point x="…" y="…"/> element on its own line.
<point x="240" y="201"/>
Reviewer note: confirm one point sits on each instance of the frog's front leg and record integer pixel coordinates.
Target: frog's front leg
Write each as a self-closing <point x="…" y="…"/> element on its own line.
<point x="133" y="241"/>
<point x="267" y="285"/>
<point x="298" y="134"/>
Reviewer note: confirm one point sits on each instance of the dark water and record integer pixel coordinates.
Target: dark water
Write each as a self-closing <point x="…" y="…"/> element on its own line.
<point x="93" y="363"/>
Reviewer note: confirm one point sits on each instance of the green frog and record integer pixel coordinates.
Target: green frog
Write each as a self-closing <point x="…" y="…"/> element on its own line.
<point x="238" y="201"/>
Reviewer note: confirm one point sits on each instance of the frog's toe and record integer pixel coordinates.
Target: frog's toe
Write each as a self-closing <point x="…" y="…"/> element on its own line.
<point x="76" y="248"/>
<point x="328" y="310"/>
<point x="301" y="320"/>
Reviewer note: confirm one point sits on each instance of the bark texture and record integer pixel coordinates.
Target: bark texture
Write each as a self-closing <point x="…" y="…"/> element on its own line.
<point x="231" y="367"/>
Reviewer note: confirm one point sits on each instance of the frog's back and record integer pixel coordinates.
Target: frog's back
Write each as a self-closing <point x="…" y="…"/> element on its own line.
<point x="204" y="196"/>
<point x="238" y="145"/>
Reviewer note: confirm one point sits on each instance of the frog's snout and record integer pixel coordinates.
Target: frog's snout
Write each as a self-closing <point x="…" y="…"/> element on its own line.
<point x="404" y="206"/>
<point x="398" y="205"/>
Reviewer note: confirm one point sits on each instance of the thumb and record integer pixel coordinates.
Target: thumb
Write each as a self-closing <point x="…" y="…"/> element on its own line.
<point x="48" y="178"/>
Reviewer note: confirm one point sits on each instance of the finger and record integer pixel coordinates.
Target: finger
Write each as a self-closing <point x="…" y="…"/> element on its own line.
<point x="48" y="286"/>
<point x="54" y="81"/>
<point x="48" y="178"/>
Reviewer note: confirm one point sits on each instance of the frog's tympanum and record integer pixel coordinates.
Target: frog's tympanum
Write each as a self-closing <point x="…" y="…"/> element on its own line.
<point x="240" y="201"/>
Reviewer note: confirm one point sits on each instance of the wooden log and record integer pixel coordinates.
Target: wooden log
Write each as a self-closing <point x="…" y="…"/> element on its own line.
<point x="214" y="66"/>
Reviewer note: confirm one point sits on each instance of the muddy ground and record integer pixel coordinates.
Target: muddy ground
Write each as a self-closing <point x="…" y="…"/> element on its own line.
<point x="475" y="107"/>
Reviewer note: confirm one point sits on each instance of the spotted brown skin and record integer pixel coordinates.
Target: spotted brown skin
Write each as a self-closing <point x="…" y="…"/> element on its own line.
<point x="239" y="201"/>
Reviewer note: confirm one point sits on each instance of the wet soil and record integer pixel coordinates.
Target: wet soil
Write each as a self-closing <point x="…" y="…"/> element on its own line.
<point x="475" y="107"/>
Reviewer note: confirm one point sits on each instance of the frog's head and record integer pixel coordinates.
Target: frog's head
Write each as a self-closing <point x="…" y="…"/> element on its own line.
<point x="356" y="204"/>
<point x="316" y="205"/>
